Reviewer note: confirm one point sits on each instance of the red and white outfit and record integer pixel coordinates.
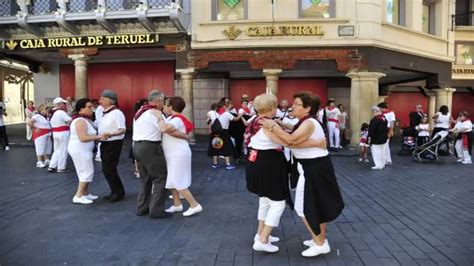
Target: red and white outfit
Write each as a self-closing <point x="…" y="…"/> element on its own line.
<point x="364" y="135"/>
<point x="463" y="144"/>
<point x="29" y="113"/>
<point x="41" y="135"/>
<point x="81" y="152"/>
<point x="332" y="116"/>
<point x="59" y="125"/>
<point x="390" y="117"/>
<point x="178" y="157"/>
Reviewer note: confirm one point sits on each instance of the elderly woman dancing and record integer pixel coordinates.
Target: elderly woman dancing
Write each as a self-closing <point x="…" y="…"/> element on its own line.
<point x="318" y="199"/>
<point x="41" y="134"/>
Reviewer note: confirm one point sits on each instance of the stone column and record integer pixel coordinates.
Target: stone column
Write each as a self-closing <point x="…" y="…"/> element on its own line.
<point x="431" y="107"/>
<point x="80" y="72"/>
<point x="271" y="76"/>
<point x="444" y="96"/>
<point x="187" y="94"/>
<point x="364" y="94"/>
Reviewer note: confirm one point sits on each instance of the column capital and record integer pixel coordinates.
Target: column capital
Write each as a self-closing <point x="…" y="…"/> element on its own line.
<point x="272" y="72"/>
<point x="186" y="72"/>
<point x="444" y="90"/>
<point x="84" y="51"/>
<point x="78" y="57"/>
<point x="362" y="75"/>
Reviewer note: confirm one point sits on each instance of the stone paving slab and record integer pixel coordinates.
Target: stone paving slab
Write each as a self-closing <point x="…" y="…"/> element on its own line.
<point x="407" y="214"/>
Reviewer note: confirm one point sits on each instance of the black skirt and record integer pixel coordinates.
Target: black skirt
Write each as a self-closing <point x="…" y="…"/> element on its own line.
<point x="268" y="175"/>
<point x="322" y="198"/>
<point x="220" y="144"/>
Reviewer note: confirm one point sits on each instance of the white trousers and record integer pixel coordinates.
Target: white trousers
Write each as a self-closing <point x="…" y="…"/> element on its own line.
<point x="84" y="164"/>
<point x="462" y="154"/>
<point x="388" y="155"/>
<point x="97" y="155"/>
<point x="334" y="134"/>
<point x="43" y="145"/>
<point x="29" y="131"/>
<point x="270" y="211"/>
<point x="59" y="158"/>
<point x="378" y="154"/>
<point x="299" y="194"/>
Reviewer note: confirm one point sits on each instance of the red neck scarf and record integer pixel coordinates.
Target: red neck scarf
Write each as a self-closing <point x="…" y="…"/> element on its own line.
<point x="300" y="122"/>
<point x="32" y="109"/>
<point x="220" y="111"/>
<point x="330" y="107"/>
<point x="143" y="109"/>
<point x="110" y="109"/>
<point x="187" y="124"/>
<point x="246" y="109"/>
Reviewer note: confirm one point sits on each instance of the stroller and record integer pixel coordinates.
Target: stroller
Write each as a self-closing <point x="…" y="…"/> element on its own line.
<point x="429" y="151"/>
<point x="408" y="141"/>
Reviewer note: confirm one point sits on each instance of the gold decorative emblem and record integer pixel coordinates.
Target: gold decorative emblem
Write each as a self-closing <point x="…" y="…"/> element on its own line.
<point x="11" y="44"/>
<point x="217" y="143"/>
<point x="232" y="32"/>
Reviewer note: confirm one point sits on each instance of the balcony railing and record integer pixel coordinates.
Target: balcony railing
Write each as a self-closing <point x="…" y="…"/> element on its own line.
<point x="462" y="19"/>
<point x="39" y="7"/>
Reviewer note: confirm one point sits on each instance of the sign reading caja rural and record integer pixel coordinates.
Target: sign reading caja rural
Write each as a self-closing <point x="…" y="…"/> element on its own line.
<point x="232" y="32"/>
<point x="83" y="41"/>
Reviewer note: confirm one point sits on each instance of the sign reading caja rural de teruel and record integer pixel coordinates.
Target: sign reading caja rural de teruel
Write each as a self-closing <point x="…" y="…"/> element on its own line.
<point x="82" y="41"/>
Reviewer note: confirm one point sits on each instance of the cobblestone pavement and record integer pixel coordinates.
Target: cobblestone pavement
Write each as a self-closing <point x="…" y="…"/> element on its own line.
<point x="406" y="214"/>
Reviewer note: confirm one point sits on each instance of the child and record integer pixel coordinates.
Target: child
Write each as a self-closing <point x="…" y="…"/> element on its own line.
<point x="423" y="131"/>
<point x="364" y="133"/>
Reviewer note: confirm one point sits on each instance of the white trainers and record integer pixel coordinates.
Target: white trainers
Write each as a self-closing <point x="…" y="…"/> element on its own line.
<point x="192" y="211"/>
<point x="97" y="159"/>
<point x="40" y="164"/>
<point x="7" y="148"/>
<point x="272" y="239"/>
<point x="466" y="162"/>
<point x="316" y="250"/>
<point x="460" y="160"/>
<point x="310" y="242"/>
<point x="174" y="209"/>
<point x="46" y="162"/>
<point x="91" y="197"/>
<point x="81" y="200"/>
<point x="268" y="247"/>
<point x="360" y="159"/>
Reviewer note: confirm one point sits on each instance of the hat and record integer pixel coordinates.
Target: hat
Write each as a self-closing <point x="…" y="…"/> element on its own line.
<point x="59" y="100"/>
<point x="110" y="94"/>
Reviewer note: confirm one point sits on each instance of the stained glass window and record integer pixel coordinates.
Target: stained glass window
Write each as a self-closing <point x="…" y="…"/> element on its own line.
<point x="464" y="54"/>
<point x="317" y="8"/>
<point x="230" y="9"/>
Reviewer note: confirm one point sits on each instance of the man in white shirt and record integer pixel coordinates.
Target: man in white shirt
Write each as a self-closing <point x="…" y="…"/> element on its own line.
<point x="150" y="158"/>
<point x="332" y="116"/>
<point x="390" y="117"/>
<point x="113" y="123"/>
<point x="3" y="129"/>
<point x="59" y="121"/>
<point x="282" y="110"/>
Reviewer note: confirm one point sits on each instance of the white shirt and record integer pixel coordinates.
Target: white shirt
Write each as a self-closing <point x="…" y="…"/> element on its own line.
<point x="465" y="126"/>
<point x="313" y="152"/>
<point x="28" y="113"/>
<point x="146" y="127"/>
<point x="281" y="114"/>
<point x="292" y="121"/>
<point x="260" y="141"/>
<point x="99" y="113"/>
<point x="390" y="116"/>
<point x="212" y="115"/>
<point x="41" y="122"/>
<point x="424" y="130"/>
<point x="110" y="122"/>
<point x="59" y="119"/>
<point x="332" y="114"/>
<point x="443" y="121"/>
<point x="225" y="119"/>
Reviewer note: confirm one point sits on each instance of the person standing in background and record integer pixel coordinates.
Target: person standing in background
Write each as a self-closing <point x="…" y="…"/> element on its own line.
<point x="30" y="111"/>
<point x="332" y="115"/>
<point x="3" y="129"/>
<point x="41" y="135"/>
<point x="60" y="126"/>
<point x="378" y="134"/>
<point x="69" y="105"/>
<point x="390" y="117"/>
<point x="343" y="118"/>
<point x="112" y="123"/>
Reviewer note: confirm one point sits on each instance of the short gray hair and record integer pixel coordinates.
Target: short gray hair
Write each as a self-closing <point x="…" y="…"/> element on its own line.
<point x="154" y="95"/>
<point x="375" y="108"/>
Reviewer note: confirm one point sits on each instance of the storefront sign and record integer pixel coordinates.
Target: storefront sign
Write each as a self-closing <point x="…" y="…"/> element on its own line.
<point x="83" y="41"/>
<point x="232" y="32"/>
<point x="465" y="71"/>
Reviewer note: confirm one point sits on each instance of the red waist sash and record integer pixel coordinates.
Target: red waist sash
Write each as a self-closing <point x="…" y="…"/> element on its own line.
<point x="61" y="129"/>
<point x="39" y="133"/>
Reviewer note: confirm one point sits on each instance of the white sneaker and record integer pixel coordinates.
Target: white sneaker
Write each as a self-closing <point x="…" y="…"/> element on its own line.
<point x="310" y="242"/>
<point x="40" y="164"/>
<point x="192" y="211"/>
<point x="174" y="209"/>
<point x="97" y="159"/>
<point x="91" y="197"/>
<point x="272" y="239"/>
<point x="7" y="148"/>
<point x="81" y="200"/>
<point x="466" y="162"/>
<point x="268" y="247"/>
<point x="460" y="160"/>
<point x="367" y="161"/>
<point x="376" y="168"/>
<point x="316" y="250"/>
<point x="360" y="159"/>
<point x="46" y="162"/>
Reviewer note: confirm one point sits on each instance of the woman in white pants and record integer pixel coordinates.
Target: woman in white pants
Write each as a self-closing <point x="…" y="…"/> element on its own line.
<point x="378" y="134"/>
<point x="30" y="111"/>
<point x="464" y="140"/>
<point x="41" y="135"/>
<point x="80" y="148"/>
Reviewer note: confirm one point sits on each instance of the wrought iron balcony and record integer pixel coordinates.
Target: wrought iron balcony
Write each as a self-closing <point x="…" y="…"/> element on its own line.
<point x="9" y="8"/>
<point x="462" y="19"/>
